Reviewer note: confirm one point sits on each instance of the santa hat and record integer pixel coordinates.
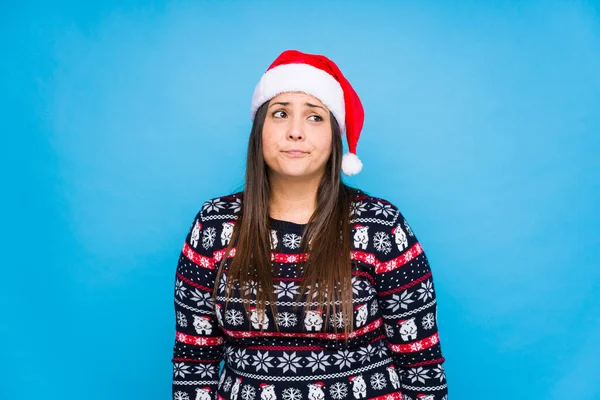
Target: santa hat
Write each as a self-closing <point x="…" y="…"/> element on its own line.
<point x="357" y="226"/>
<point x="262" y="385"/>
<point x="206" y="388"/>
<point x="359" y="306"/>
<point x="351" y="378"/>
<point x="317" y="75"/>
<point x="319" y="384"/>
<point x="420" y="396"/>
<point x="205" y="317"/>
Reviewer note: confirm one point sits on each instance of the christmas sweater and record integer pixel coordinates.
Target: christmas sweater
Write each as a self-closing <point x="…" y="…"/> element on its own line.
<point x="393" y="351"/>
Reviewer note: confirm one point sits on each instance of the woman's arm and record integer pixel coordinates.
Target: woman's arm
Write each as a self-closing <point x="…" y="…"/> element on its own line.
<point x="198" y="347"/>
<point x="408" y="304"/>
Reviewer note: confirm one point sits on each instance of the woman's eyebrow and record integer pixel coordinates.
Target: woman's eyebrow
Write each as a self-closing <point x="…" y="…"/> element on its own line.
<point x="286" y="103"/>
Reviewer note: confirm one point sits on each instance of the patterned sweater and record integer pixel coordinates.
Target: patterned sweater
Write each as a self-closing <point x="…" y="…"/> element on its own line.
<point x="393" y="353"/>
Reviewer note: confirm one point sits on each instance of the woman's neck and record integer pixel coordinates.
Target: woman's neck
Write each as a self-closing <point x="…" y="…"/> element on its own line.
<point x="293" y="201"/>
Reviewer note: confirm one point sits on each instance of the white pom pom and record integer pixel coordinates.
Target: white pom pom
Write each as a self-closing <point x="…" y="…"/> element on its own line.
<point x="351" y="164"/>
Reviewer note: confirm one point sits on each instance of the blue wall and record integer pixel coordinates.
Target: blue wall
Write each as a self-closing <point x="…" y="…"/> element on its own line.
<point x="120" y="119"/>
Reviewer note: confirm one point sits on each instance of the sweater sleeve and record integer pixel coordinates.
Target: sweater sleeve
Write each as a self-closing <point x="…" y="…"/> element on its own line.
<point x="407" y="300"/>
<point x="197" y="352"/>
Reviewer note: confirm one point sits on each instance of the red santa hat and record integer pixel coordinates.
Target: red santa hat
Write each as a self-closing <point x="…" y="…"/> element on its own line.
<point x="319" y="384"/>
<point x="359" y="306"/>
<point x="351" y="378"/>
<point x="401" y="321"/>
<point x="357" y="226"/>
<point x="317" y="75"/>
<point x="206" y="388"/>
<point x="263" y="385"/>
<point x="205" y="317"/>
<point x="421" y="395"/>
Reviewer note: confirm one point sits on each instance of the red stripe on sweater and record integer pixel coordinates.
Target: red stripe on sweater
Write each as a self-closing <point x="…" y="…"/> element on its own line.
<point x="332" y="336"/>
<point x="198" y="259"/>
<point x="389" y="396"/>
<point x="198" y="340"/>
<point x="415" y="346"/>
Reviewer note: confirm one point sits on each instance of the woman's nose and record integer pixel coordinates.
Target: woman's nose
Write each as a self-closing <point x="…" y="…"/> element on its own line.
<point x="296" y="132"/>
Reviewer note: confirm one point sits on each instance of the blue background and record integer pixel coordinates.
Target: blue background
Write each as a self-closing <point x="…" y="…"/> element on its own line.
<point x="120" y="118"/>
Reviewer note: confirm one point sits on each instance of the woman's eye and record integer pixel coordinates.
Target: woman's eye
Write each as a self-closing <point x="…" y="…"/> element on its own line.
<point x="279" y="114"/>
<point x="317" y="118"/>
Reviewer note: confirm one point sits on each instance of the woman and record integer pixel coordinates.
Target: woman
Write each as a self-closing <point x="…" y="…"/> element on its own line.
<point x="306" y="288"/>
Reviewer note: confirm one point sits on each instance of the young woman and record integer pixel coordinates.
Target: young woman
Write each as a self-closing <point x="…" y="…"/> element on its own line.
<point x="306" y="288"/>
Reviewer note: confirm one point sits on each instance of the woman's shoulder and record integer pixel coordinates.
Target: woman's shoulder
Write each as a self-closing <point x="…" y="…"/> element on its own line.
<point x="221" y="209"/>
<point x="369" y="209"/>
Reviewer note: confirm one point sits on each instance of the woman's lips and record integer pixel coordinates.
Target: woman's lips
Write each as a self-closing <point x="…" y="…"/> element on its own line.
<point x="296" y="153"/>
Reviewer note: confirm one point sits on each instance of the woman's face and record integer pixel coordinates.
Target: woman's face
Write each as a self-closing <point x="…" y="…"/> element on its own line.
<point x="296" y="135"/>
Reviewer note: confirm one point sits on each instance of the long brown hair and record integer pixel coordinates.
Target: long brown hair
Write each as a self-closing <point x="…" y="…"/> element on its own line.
<point x="327" y="271"/>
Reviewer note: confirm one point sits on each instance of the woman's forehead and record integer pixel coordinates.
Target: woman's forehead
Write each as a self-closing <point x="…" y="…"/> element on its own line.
<point x="297" y="97"/>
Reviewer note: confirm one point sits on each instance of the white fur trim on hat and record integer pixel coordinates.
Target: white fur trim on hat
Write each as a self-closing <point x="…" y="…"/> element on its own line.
<point x="351" y="164"/>
<point x="301" y="78"/>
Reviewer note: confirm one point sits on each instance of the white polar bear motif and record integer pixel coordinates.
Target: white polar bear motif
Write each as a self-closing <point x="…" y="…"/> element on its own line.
<point x="361" y="236"/>
<point x="362" y="313"/>
<point x="359" y="387"/>
<point x="315" y="391"/>
<point x="195" y="234"/>
<point x="400" y="237"/>
<point x="226" y="232"/>
<point x="425" y="397"/>
<point x="313" y="321"/>
<point x="203" y="394"/>
<point x="393" y="377"/>
<point x="267" y="392"/>
<point x="236" y="389"/>
<point x="202" y="325"/>
<point x="408" y="329"/>
<point x="258" y="319"/>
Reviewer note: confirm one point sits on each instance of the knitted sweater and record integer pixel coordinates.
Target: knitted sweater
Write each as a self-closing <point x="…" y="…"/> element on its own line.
<point x="393" y="353"/>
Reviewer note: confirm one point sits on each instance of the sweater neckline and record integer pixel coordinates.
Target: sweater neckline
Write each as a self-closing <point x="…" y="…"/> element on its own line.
<point x="287" y="225"/>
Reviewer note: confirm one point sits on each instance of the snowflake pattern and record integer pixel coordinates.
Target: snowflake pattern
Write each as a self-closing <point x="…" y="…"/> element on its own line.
<point x="223" y="283"/>
<point x="337" y="319"/>
<point x="248" y="392"/>
<point x="378" y="381"/>
<point x="400" y="301"/>
<point x="389" y="330"/>
<point x="317" y="361"/>
<point x="208" y="237"/>
<point x="426" y="290"/>
<point x="344" y="358"/>
<point x="292" y="394"/>
<point x="179" y="395"/>
<point x="381" y="208"/>
<point x="428" y="321"/>
<point x="286" y="289"/>
<point x="227" y="384"/>
<point x="338" y="390"/>
<point x="358" y="207"/>
<point x="365" y="353"/>
<point x="205" y="370"/>
<point x="213" y="205"/>
<point x="291" y="240"/>
<point x="202" y="299"/>
<point x="241" y="358"/>
<point x="234" y="317"/>
<point x="262" y="361"/>
<point x="287" y="319"/>
<point x="289" y="362"/>
<point x="180" y="369"/>
<point x="180" y="289"/>
<point x="236" y="205"/>
<point x="374" y="308"/>
<point x="181" y="319"/>
<point x="357" y="285"/>
<point x="417" y="374"/>
<point x="382" y="242"/>
<point x="439" y="372"/>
